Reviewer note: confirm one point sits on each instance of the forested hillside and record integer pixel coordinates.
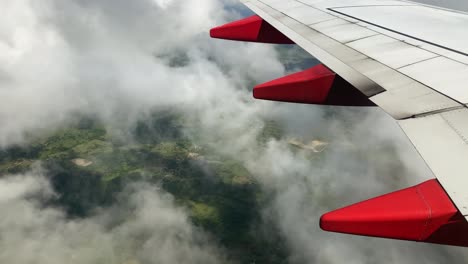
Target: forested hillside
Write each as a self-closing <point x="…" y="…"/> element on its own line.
<point x="89" y="168"/>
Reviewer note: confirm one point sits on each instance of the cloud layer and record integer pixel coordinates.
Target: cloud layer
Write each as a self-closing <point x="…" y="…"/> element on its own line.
<point x="118" y="60"/>
<point x="145" y="227"/>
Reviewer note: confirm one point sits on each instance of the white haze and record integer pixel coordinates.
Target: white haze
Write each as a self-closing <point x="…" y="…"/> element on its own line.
<point x="111" y="58"/>
<point x="146" y="227"/>
<point x="119" y="60"/>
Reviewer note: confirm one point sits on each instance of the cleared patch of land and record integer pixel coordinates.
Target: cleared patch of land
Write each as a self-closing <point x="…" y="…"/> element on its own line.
<point x="82" y="162"/>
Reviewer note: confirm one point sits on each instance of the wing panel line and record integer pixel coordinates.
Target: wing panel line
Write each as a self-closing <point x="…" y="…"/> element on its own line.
<point x="400" y="33"/>
<point x="289" y="28"/>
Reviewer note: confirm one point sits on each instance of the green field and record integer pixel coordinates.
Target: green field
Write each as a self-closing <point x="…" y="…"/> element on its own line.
<point x="89" y="167"/>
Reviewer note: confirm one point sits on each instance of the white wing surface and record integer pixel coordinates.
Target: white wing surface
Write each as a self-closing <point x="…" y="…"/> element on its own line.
<point x="409" y="59"/>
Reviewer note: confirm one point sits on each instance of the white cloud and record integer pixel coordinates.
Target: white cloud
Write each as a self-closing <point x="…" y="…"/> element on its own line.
<point x="367" y="156"/>
<point x="113" y="59"/>
<point x="119" y="59"/>
<point x="145" y="227"/>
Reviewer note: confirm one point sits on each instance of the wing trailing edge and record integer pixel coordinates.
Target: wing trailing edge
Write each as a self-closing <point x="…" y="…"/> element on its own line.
<point x="421" y="213"/>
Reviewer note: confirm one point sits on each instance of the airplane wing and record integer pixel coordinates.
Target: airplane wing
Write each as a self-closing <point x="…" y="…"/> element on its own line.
<point x="409" y="59"/>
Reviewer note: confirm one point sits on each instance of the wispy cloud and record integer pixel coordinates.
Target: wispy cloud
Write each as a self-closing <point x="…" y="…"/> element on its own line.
<point x="144" y="227"/>
<point x="119" y="60"/>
